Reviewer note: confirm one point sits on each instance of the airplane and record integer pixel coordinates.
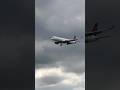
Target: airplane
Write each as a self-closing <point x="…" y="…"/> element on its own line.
<point x="60" y="40"/>
<point x="93" y="35"/>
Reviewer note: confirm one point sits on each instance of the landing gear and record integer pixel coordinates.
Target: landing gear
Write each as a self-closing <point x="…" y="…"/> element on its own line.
<point x="60" y="44"/>
<point x="67" y="43"/>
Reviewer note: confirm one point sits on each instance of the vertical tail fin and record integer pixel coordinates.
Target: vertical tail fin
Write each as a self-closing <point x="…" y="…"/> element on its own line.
<point x="74" y="37"/>
<point x="95" y="27"/>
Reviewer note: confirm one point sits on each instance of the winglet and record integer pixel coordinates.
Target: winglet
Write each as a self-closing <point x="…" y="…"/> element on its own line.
<point x="74" y="37"/>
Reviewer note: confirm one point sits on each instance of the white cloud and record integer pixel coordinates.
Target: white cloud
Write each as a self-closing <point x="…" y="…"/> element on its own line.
<point x="70" y="79"/>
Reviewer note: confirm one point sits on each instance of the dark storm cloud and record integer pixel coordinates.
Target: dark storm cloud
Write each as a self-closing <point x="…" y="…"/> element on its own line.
<point x="67" y="58"/>
<point x="52" y="19"/>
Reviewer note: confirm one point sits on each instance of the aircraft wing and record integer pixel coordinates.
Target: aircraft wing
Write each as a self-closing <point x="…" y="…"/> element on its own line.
<point x="98" y="31"/>
<point x="65" y="41"/>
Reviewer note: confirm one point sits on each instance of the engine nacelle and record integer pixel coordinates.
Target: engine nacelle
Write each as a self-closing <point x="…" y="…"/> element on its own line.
<point x="56" y="42"/>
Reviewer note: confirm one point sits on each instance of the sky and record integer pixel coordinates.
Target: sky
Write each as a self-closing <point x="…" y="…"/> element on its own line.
<point x="59" y="68"/>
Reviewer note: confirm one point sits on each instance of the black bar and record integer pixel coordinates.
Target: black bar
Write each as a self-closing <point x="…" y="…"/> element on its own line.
<point x="17" y="65"/>
<point x="103" y="56"/>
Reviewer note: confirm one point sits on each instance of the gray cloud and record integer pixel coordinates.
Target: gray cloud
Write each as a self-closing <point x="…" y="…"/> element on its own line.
<point x="59" y="16"/>
<point x="62" y="18"/>
<point x="57" y="87"/>
<point x="48" y="80"/>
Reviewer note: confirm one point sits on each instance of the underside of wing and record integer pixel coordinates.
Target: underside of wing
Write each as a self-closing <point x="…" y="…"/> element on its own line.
<point x="57" y="42"/>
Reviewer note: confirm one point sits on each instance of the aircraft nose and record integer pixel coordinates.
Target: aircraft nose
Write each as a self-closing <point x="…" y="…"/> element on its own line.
<point x="51" y="38"/>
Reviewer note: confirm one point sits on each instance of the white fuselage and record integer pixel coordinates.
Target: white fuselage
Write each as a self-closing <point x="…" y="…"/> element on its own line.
<point x="55" y="38"/>
<point x="60" y="40"/>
